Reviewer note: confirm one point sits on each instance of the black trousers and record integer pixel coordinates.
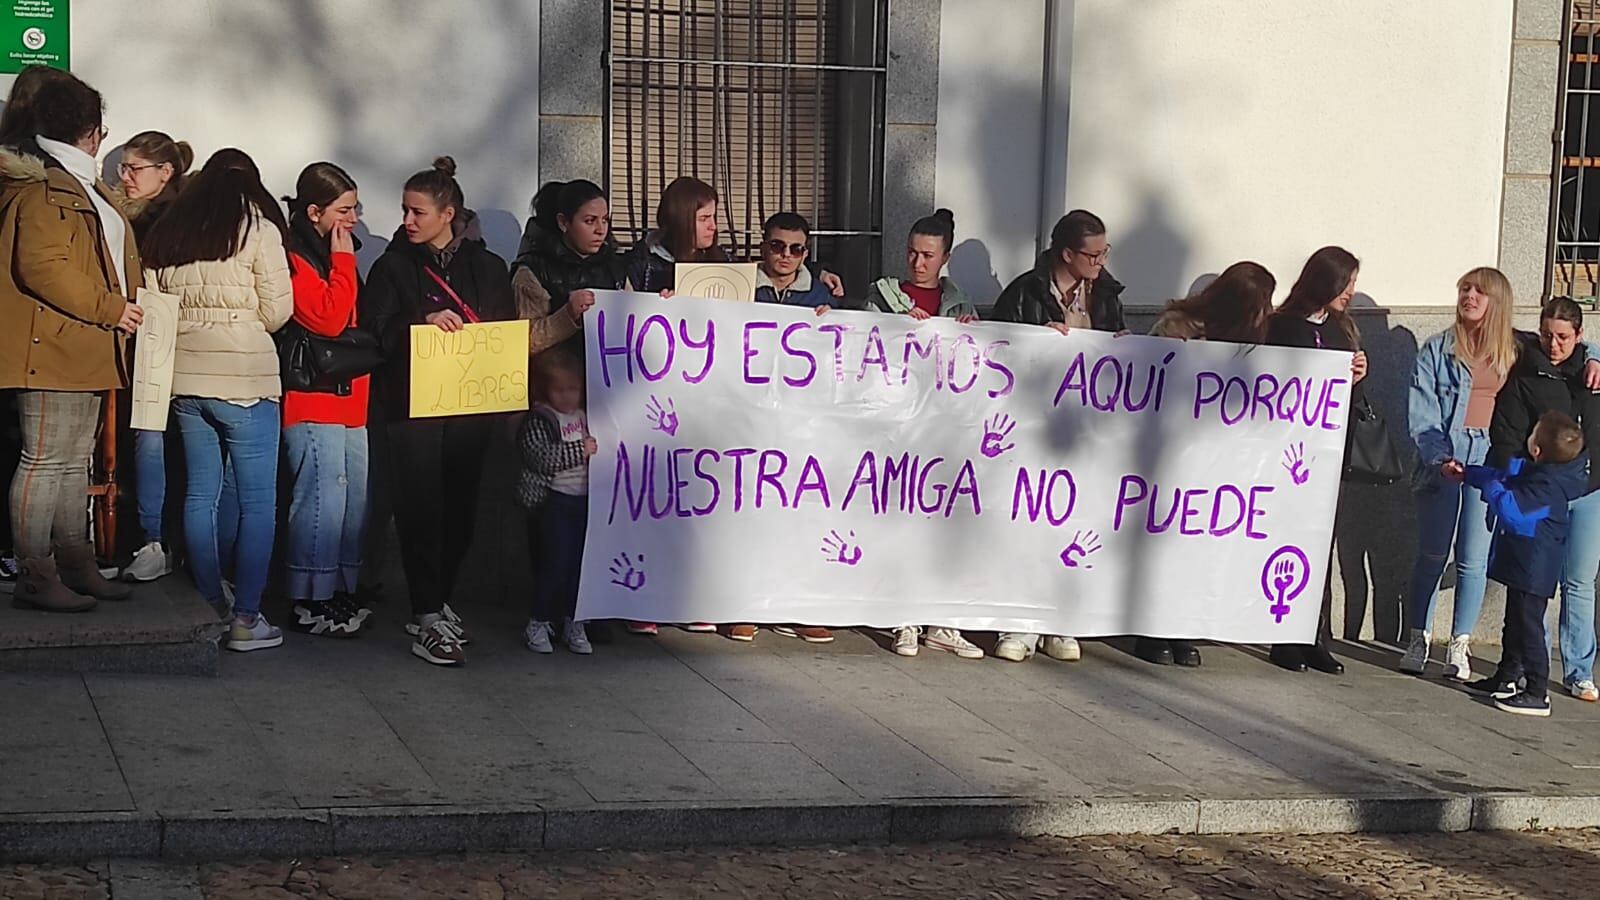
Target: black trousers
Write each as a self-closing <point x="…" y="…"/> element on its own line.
<point x="436" y="466"/>
<point x="555" y="536"/>
<point x="1525" y="648"/>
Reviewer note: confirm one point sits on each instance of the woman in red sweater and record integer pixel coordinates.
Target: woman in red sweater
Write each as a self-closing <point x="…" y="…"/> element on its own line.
<point x="325" y="431"/>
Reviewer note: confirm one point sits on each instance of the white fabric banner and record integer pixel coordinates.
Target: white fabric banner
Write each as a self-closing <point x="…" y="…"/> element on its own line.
<point x="763" y="464"/>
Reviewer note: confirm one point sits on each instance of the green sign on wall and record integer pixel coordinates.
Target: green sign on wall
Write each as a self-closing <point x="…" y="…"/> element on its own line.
<point x="34" y="33"/>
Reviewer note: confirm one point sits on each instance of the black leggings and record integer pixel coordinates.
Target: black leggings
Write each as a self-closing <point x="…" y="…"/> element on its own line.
<point x="436" y="467"/>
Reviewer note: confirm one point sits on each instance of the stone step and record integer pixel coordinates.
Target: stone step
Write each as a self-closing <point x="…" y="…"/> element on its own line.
<point x="167" y="628"/>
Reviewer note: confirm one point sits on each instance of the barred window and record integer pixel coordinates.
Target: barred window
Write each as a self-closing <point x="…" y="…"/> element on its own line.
<point x="776" y="103"/>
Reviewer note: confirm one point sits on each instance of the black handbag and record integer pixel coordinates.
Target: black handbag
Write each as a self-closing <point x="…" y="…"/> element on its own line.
<point x="313" y="363"/>
<point x="1370" y="455"/>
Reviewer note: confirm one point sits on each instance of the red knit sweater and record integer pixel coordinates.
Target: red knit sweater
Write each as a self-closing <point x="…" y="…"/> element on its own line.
<point x="326" y="308"/>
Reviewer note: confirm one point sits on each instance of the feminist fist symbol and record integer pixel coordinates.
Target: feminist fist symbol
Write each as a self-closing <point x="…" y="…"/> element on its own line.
<point x="1083" y="544"/>
<point x="662" y="418"/>
<point x="840" y="550"/>
<point x="1294" y="461"/>
<point x="995" y="431"/>
<point x="626" y="573"/>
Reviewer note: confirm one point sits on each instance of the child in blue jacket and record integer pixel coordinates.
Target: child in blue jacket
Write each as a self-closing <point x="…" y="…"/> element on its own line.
<point x="1529" y="501"/>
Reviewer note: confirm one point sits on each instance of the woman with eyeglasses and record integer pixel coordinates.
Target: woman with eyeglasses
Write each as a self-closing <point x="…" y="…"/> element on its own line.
<point x="151" y="172"/>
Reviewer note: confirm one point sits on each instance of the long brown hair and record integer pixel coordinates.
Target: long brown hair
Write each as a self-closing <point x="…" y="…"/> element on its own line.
<point x="1493" y="341"/>
<point x="159" y="148"/>
<point x="212" y="217"/>
<point x="1235" y="306"/>
<point x="675" y="215"/>
<point x="1325" y="276"/>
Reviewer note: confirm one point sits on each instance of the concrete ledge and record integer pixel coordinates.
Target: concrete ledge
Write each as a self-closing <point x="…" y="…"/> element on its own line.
<point x="1518" y="812"/>
<point x="234" y="835"/>
<point x="642" y="827"/>
<point x="1330" y="815"/>
<point x="960" y="820"/>
<point x="80" y="836"/>
<point x="400" y="829"/>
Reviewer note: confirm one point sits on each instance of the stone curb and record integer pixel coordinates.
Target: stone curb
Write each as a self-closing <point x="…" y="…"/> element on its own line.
<point x="451" y="829"/>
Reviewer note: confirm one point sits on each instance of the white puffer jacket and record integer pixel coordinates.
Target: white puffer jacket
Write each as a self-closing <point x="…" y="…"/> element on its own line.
<point x="228" y="312"/>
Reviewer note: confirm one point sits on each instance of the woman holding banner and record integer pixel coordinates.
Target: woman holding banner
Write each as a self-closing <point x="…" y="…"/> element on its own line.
<point x="437" y="271"/>
<point x="219" y="249"/>
<point x="1314" y="316"/>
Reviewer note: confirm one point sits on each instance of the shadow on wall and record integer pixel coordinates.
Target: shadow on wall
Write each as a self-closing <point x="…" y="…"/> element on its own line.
<point x="972" y="269"/>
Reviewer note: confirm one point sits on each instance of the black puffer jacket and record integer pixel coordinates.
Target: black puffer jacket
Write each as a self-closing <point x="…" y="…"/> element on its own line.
<point x="399" y="294"/>
<point x="1537" y="386"/>
<point x="1027" y="299"/>
<point x="652" y="268"/>
<point x="561" y="270"/>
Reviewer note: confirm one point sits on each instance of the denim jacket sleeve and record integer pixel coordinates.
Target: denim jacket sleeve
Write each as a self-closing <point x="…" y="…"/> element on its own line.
<point x="1429" y="431"/>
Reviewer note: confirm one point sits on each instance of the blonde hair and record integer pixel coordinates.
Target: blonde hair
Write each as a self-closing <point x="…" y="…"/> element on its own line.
<point x="1491" y="342"/>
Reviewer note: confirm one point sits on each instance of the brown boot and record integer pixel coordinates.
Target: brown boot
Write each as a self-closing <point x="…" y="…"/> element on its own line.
<point x="81" y="573"/>
<point x="39" y="587"/>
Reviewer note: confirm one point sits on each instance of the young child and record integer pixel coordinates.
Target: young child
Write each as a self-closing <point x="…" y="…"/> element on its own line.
<point x="1529" y="500"/>
<point x="554" y="488"/>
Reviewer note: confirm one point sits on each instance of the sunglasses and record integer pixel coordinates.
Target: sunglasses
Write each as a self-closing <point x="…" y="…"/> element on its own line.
<point x="779" y="247"/>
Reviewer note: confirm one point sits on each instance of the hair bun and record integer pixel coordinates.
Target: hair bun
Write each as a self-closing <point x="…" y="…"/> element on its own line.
<point x="445" y="164"/>
<point x="185" y="156"/>
<point x="945" y="214"/>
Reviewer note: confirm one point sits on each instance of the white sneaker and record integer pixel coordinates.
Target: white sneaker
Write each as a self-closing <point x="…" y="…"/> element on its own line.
<point x="1458" y="664"/>
<point x="257" y="635"/>
<point x="1416" y="656"/>
<point x="152" y="561"/>
<point x="537" y="636"/>
<point x="576" y="637"/>
<point x="1059" y="646"/>
<point x="1584" y="690"/>
<point x="905" y="640"/>
<point x="1015" y="647"/>
<point x="950" y="641"/>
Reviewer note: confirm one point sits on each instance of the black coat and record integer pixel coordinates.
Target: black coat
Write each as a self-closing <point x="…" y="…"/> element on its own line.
<point x="1027" y="299"/>
<point x="1534" y="387"/>
<point x="399" y="294"/>
<point x="561" y="270"/>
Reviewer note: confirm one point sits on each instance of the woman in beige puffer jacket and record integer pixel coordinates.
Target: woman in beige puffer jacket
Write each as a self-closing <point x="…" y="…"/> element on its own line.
<point x="219" y="249"/>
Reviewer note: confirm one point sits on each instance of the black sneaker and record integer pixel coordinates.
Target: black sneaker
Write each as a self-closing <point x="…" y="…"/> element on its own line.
<point x="1525" y="704"/>
<point x="352" y="603"/>
<point x="1498" y="686"/>
<point x="10" y="571"/>
<point x="332" y="618"/>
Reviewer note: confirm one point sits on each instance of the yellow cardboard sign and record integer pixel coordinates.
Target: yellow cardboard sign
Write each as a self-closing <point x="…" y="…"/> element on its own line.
<point x="483" y="368"/>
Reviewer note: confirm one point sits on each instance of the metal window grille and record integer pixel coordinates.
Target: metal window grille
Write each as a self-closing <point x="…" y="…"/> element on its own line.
<point x="1575" y="217"/>
<point x="776" y="103"/>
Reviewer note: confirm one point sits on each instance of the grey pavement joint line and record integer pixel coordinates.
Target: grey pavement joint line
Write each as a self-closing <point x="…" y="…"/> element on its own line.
<point x="106" y="734"/>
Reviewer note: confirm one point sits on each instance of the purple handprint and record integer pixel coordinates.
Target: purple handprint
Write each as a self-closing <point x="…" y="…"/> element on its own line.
<point x="627" y="573"/>
<point x="662" y="418"/>
<point x="1084" y="543"/>
<point x="841" y="549"/>
<point x="995" y="432"/>
<point x="1294" y="462"/>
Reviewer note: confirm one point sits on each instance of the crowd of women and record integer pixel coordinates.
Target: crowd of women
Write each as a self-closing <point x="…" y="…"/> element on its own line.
<point x="253" y="283"/>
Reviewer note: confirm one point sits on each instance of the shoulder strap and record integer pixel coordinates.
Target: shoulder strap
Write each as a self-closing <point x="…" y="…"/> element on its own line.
<point x="455" y="298"/>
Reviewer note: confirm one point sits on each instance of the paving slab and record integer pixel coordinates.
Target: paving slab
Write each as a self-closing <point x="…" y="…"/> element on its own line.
<point x="54" y="755"/>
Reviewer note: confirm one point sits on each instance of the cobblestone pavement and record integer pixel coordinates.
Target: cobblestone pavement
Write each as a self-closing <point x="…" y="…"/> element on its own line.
<point x="1554" y="865"/>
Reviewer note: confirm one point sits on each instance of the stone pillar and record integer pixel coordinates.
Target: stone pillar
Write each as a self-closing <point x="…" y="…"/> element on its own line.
<point x="1530" y="126"/>
<point x="572" y="44"/>
<point x="911" y="106"/>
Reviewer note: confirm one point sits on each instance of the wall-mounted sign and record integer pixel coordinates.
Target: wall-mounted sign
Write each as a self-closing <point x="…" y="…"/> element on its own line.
<point x="34" y="33"/>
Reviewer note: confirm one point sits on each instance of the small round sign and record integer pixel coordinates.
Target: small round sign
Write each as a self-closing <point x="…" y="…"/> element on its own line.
<point x="33" y="39"/>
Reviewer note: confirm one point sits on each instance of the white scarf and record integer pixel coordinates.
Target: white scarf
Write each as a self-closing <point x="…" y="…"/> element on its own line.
<point x="82" y="167"/>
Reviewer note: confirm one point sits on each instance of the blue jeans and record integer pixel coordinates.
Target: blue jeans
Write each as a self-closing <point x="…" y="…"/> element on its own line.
<point x="1454" y="514"/>
<point x="150" y="480"/>
<point x="247" y="436"/>
<point x="328" y="509"/>
<point x="1577" y="590"/>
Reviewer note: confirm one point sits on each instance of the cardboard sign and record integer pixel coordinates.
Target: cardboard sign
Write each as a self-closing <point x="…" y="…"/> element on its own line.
<point x="716" y="281"/>
<point x="483" y="368"/>
<point x="153" y="352"/>
<point x="763" y="464"/>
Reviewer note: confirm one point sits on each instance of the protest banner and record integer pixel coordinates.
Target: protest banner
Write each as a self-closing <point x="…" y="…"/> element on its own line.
<point x="483" y="368"/>
<point x="764" y="464"/>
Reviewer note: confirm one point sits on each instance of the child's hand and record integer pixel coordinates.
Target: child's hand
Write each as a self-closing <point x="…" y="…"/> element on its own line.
<point x="1453" y="470"/>
<point x="590" y="446"/>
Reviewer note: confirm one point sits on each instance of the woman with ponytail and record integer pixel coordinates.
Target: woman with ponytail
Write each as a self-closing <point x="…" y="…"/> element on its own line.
<point x="437" y="271"/>
<point x="567" y="254"/>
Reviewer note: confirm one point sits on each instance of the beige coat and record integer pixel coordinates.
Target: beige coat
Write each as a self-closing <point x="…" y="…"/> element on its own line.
<point x="59" y="297"/>
<point x="227" y="314"/>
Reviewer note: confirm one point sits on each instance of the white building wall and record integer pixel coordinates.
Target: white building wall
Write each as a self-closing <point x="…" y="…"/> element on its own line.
<point x="1209" y="131"/>
<point x="380" y="87"/>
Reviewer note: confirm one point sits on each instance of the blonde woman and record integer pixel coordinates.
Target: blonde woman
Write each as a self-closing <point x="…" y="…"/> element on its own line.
<point x="1458" y="373"/>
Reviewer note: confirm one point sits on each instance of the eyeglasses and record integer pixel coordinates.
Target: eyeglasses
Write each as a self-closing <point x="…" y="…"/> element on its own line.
<point x="779" y="247"/>
<point x="1094" y="257"/>
<point x="130" y="169"/>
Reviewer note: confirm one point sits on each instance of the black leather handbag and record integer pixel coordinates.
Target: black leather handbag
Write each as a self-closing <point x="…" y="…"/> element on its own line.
<point x="317" y="364"/>
<point x="1370" y="455"/>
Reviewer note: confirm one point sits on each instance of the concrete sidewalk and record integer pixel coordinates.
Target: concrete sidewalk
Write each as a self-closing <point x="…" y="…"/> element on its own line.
<point x="329" y="746"/>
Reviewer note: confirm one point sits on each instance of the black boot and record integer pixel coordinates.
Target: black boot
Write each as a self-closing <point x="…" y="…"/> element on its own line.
<point x="1289" y="656"/>
<point x="1153" y="650"/>
<point x="1319" y="657"/>
<point x="1185" y="654"/>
